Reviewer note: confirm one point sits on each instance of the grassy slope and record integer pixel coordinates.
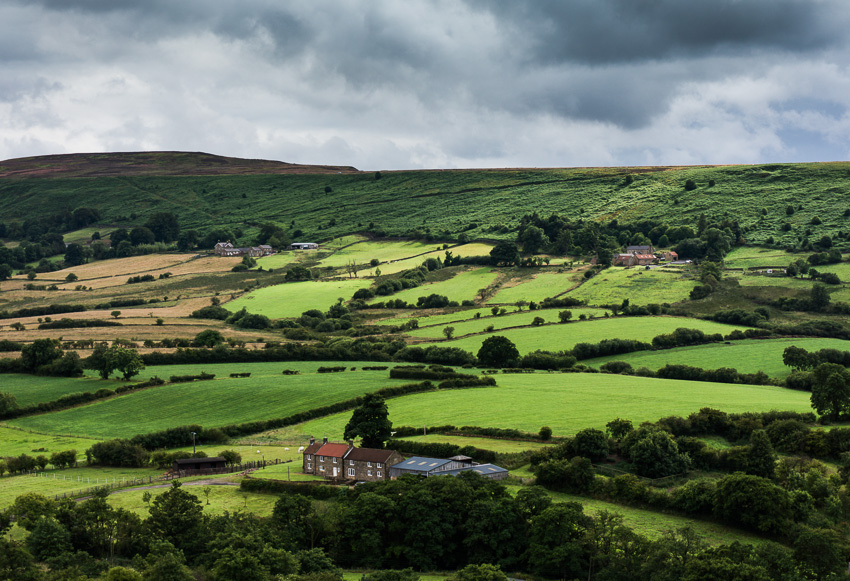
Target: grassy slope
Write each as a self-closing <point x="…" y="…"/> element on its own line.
<point x="14" y="442"/>
<point x="564" y="336"/>
<point x="266" y="394"/>
<point x="454" y="200"/>
<point x="541" y="286"/>
<point x="463" y="286"/>
<point x="568" y="403"/>
<point x="641" y="287"/>
<point x="31" y="389"/>
<point x="745" y="356"/>
<point x="292" y="299"/>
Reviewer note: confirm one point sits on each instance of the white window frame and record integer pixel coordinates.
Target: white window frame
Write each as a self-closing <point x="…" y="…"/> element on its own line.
<point x="351" y="471"/>
<point x="321" y="468"/>
<point x="369" y="472"/>
<point x="377" y="465"/>
<point x="379" y="474"/>
<point x="334" y="460"/>
<point x="351" y="462"/>
<point x="309" y="466"/>
<point x="369" y="464"/>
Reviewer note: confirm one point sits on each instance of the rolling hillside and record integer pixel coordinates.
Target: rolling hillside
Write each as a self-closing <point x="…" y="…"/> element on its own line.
<point x="207" y="191"/>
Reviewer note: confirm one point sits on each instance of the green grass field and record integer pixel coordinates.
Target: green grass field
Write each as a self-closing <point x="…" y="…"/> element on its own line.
<point x="471" y="249"/>
<point x="14" y="442"/>
<point x="537" y="288"/>
<point x="752" y="256"/>
<point x="747" y="356"/>
<point x="266" y="394"/>
<point x="501" y="446"/>
<point x="425" y="319"/>
<point x="566" y="402"/>
<point x="32" y="389"/>
<point x="641" y="287"/>
<point x="384" y="251"/>
<point x="463" y="286"/>
<point x="278" y="260"/>
<point x="514" y="319"/>
<point x="53" y="482"/>
<point x="222" y="498"/>
<point x="292" y="299"/>
<point x="654" y="524"/>
<point x="564" y="336"/>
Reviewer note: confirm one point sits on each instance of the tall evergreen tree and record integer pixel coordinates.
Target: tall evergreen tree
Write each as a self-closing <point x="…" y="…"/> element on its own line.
<point x="371" y="422"/>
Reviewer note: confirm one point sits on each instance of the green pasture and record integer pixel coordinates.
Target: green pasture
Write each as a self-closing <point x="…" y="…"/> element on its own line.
<point x="653" y="524"/>
<point x="566" y="402"/>
<point x="289" y="471"/>
<point x="364" y="252"/>
<point x="249" y="452"/>
<point x="494" y="444"/>
<point x="32" y="389"/>
<point x="224" y="400"/>
<point x="747" y="280"/>
<point x="559" y="337"/>
<point x="508" y="320"/>
<point x="263" y="369"/>
<point x="278" y="260"/>
<point x="222" y="498"/>
<point x="425" y="319"/>
<point x="53" y="482"/>
<point x="642" y="287"/>
<point x="462" y="286"/>
<point x="83" y="235"/>
<point x="747" y="356"/>
<point x="536" y="288"/>
<point x="752" y="256"/>
<point x="14" y="442"/>
<point x="292" y="299"/>
<point x="471" y="249"/>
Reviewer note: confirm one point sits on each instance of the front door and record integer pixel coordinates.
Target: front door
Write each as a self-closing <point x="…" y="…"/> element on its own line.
<point x="334" y="471"/>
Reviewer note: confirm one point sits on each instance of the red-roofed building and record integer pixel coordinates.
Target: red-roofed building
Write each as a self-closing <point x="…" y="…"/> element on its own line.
<point x="643" y="259"/>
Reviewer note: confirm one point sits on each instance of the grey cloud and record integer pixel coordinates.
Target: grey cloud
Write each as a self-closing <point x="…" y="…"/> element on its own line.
<point x="603" y="31"/>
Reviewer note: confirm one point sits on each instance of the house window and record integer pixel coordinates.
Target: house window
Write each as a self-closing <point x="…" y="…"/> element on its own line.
<point x="351" y="462"/>
<point x="351" y="472"/>
<point x="369" y="464"/>
<point x="369" y="472"/>
<point x="378" y="465"/>
<point x="309" y="456"/>
<point x="321" y="468"/>
<point x="321" y="458"/>
<point x="309" y="466"/>
<point x="334" y="460"/>
<point x="379" y="473"/>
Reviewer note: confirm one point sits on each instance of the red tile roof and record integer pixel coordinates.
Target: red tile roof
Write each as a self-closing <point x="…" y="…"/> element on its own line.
<point x="333" y="450"/>
<point x="645" y="256"/>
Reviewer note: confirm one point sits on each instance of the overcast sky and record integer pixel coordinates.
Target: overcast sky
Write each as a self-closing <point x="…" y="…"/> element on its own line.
<point x="430" y="84"/>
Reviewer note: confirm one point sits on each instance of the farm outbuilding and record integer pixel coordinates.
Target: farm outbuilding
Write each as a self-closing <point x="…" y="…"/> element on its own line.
<point x="199" y="464"/>
<point x="304" y="246"/>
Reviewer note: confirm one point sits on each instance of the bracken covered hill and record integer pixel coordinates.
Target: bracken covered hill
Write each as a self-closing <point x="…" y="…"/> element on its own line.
<point x="153" y="163"/>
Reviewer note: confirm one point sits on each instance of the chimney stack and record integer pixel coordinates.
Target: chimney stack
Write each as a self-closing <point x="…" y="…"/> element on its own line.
<point x="325" y="440"/>
<point x="312" y="440"/>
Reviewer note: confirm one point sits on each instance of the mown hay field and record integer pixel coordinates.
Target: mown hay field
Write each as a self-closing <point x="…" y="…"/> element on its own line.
<point x="471" y="249"/>
<point x="224" y="400"/>
<point x="564" y="336"/>
<point x="536" y="288"/>
<point x="640" y="286"/>
<point x="746" y="356"/>
<point x="462" y="286"/>
<point x="292" y="299"/>
<point x="567" y="402"/>
<point x="117" y="267"/>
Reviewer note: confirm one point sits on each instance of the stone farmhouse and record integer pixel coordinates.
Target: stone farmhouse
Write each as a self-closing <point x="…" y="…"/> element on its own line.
<point x="342" y="461"/>
<point x="227" y="249"/>
<point x="639" y="256"/>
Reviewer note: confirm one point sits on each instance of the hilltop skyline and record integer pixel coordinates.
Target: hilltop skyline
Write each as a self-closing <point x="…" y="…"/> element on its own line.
<point x="387" y="85"/>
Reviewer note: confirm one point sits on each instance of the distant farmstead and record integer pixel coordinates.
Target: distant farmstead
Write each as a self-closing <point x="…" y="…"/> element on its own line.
<point x="227" y="249"/>
<point x="304" y="246"/>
